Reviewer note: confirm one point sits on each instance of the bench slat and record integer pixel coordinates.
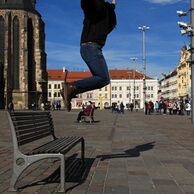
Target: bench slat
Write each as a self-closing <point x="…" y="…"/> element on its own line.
<point x="26" y="113"/>
<point x="33" y="138"/>
<point x="50" y="149"/>
<point x="62" y="145"/>
<point x="65" y="145"/>
<point x="32" y="127"/>
<point x="30" y="132"/>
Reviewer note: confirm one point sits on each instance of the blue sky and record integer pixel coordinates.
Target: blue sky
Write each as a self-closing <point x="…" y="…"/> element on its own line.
<point x="63" y="25"/>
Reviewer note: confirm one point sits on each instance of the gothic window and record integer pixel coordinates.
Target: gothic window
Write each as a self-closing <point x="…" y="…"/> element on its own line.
<point x="2" y="40"/>
<point x="2" y="43"/>
<point x="15" y="56"/>
<point x="31" y="61"/>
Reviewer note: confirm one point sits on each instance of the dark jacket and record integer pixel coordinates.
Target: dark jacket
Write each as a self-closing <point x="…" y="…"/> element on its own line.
<point x="99" y="21"/>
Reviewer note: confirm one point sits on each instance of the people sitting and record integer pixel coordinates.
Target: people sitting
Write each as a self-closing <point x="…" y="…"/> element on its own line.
<point x="85" y="111"/>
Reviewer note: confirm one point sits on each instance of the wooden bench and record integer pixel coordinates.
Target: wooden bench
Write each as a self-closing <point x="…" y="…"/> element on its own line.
<point x="27" y="127"/>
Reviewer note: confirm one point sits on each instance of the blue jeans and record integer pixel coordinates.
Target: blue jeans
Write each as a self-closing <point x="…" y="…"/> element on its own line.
<point x="93" y="57"/>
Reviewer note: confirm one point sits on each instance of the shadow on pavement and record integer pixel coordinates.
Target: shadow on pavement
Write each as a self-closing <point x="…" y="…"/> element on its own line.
<point x="75" y="173"/>
<point x="134" y="152"/>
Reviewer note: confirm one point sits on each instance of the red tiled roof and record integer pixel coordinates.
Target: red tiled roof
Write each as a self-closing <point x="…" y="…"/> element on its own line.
<point x="78" y="75"/>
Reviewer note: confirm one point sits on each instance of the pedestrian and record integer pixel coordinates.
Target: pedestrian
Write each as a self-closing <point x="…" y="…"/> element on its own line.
<point x="175" y="108"/>
<point x="99" y="21"/>
<point x="131" y="107"/>
<point x="42" y="106"/>
<point x="146" y="107"/>
<point x="10" y="107"/>
<point x="170" y="106"/>
<point x="188" y="108"/>
<point x="122" y="108"/>
<point x="156" y="106"/>
<point x="160" y="107"/>
<point x="165" y="106"/>
<point x="149" y="107"/>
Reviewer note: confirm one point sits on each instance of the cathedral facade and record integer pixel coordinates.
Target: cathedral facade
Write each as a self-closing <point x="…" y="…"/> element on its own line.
<point x="23" y="75"/>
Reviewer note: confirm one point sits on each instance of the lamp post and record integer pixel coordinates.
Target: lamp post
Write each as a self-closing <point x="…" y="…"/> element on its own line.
<point x="129" y="88"/>
<point x="133" y="60"/>
<point x="143" y="29"/>
<point x="192" y="61"/>
<point x="189" y="29"/>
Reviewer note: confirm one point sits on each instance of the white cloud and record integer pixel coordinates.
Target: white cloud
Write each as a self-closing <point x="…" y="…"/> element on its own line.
<point x="163" y="1"/>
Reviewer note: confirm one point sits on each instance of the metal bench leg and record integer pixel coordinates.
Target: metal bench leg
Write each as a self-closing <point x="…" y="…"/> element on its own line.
<point x="17" y="171"/>
<point x="83" y="151"/>
<point x="62" y="176"/>
<point x="15" y="175"/>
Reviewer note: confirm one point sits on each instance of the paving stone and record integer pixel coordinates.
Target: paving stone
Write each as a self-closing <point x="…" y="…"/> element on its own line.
<point x="126" y="154"/>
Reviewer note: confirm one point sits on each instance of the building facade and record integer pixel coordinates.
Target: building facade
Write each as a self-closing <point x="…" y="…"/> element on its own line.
<point x="125" y="86"/>
<point x="184" y="74"/>
<point x="23" y="75"/>
<point x="169" y="86"/>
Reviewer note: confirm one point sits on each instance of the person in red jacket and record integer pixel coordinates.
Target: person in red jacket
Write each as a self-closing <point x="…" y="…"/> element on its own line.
<point x="86" y="111"/>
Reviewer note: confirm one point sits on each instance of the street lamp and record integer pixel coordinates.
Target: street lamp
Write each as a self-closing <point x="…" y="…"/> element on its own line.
<point x="129" y="88"/>
<point x="143" y="29"/>
<point x="133" y="60"/>
<point x="188" y="29"/>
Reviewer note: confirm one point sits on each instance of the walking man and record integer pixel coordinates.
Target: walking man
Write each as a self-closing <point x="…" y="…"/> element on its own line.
<point x="99" y="21"/>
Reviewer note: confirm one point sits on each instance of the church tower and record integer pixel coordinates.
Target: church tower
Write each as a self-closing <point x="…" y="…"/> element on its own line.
<point x="23" y="76"/>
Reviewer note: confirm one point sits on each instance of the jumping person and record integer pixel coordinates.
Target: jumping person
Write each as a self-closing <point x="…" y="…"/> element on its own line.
<point x="99" y="21"/>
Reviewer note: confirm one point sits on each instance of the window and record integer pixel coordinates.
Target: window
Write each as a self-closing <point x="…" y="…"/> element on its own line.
<point x="55" y="86"/>
<point x="59" y="94"/>
<point x="59" y="86"/>
<point x="112" y="95"/>
<point x="152" y="95"/>
<point x="55" y="94"/>
<point x="106" y="89"/>
<point x="15" y="56"/>
<point x="106" y="96"/>
<point x="115" y="95"/>
<point x="120" y="88"/>
<point x="120" y="95"/>
<point x="112" y="88"/>
<point x="49" y="86"/>
<point x="100" y="89"/>
<point x="152" y="88"/>
<point x="49" y="94"/>
<point x="115" y="88"/>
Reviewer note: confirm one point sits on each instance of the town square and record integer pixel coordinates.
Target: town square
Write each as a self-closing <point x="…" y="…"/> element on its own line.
<point x="96" y="96"/>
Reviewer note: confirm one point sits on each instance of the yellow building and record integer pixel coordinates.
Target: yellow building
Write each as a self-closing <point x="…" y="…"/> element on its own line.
<point x="104" y="97"/>
<point x="184" y="74"/>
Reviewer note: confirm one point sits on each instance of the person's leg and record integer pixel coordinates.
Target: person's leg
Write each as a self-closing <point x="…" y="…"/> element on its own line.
<point x="93" y="57"/>
<point x="79" y="116"/>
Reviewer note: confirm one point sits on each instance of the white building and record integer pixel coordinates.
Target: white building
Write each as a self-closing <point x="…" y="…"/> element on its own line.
<point x="125" y="86"/>
<point x="131" y="91"/>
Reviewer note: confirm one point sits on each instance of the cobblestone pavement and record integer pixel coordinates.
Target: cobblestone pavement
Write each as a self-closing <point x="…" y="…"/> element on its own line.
<point x="131" y="153"/>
